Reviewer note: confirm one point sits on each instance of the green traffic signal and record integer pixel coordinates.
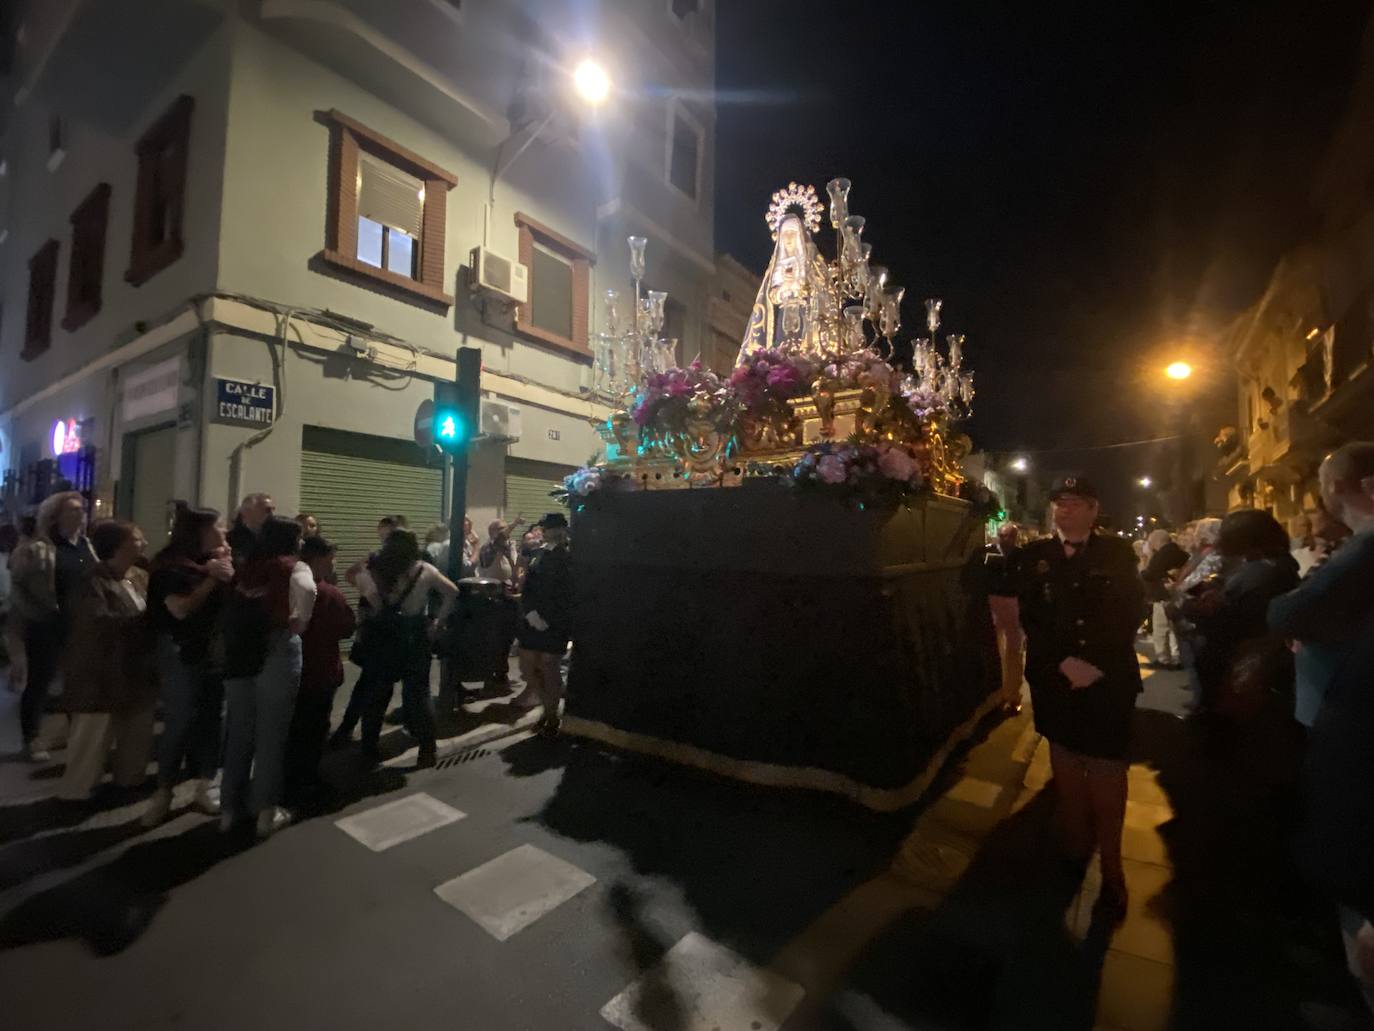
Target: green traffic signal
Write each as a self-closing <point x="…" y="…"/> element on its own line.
<point x="448" y="428"/>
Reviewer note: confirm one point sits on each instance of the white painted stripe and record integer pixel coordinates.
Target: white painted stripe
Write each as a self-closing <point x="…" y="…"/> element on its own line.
<point x="400" y="820"/>
<point x="514" y="890"/>
<point x="710" y="988"/>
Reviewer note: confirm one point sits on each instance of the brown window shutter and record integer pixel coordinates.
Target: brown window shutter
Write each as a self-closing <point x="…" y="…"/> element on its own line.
<point x="86" y="275"/>
<point x="164" y="153"/>
<point x="525" y="255"/>
<point x="433" y="220"/>
<point x="581" y="283"/>
<point x="42" y="290"/>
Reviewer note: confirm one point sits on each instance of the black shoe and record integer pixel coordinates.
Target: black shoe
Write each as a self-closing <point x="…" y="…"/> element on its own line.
<point x="427" y="758"/>
<point x="395" y="717"/>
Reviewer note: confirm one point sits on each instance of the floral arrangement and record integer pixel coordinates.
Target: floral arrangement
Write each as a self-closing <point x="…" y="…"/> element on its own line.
<point x="768" y="377"/>
<point x="871" y="473"/>
<point x="663" y="403"/>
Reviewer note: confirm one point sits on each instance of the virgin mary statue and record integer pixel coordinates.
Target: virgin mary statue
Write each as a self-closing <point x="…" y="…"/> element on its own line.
<point x="797" y="308"/>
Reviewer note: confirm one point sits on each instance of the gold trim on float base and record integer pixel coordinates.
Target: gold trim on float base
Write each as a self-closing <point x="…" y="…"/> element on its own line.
<point x="773" y="775"/>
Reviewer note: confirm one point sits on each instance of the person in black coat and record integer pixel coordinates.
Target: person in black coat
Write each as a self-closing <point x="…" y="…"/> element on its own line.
<point x="546" y="624"/>
<point x="1238" y="662"/>
<point x="1081" y="600"/>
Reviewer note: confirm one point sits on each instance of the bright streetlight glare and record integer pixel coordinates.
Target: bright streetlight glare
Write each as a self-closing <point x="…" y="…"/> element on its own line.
<point x="1020" y="464"/>
<point x="592" y="82"/>
<point x="1145" y="481"/>
<point x="1179" y="370"/>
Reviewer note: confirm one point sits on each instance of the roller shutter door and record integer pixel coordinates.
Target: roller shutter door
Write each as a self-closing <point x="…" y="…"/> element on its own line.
<point x="528" y="484"/>
<point x="350" y="480"/>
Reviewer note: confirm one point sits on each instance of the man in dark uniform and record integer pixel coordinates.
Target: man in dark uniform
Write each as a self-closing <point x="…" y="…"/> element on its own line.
<point x="546" y="627"/>
<point x="1081" y="600"/>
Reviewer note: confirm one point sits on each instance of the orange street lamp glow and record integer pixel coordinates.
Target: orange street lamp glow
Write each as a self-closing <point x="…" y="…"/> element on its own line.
<point x="1179" y="370"/>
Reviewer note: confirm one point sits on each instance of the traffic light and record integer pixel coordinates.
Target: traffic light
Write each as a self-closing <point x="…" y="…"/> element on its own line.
<point x="450" y="427"/>
<point x="456" y="404"/>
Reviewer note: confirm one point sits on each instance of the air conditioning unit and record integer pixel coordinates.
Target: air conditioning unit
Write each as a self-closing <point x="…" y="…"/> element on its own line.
<point x="500" y="275"/>
<point x="500" y="421"/>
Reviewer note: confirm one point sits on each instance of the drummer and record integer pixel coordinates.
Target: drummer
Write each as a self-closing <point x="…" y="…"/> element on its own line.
<point x="1081" y="601"/>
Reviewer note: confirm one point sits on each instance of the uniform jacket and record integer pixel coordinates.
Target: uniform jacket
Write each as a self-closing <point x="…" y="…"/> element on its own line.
<point x="1088" y="606"/>
<point x="107" y="663"/>
<point x="549" y="592"/>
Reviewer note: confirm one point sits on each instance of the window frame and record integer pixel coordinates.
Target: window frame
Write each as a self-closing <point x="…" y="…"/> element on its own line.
<point x="92" y="216"/>
<point x="581" y="259"/>
<point x="677" y="109"/>
<point x="171" y="130"/>
<point x="38" y="323"/>
<point x="349" y="139"/>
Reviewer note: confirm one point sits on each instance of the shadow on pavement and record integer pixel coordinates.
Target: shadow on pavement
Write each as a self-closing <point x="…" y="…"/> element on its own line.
<point x="110" y="907"/>
<point x="1252" y="941"/>
<point x="996" y="953"/>
<point x="657" y="1006"/>
<point x="756" y="865"/>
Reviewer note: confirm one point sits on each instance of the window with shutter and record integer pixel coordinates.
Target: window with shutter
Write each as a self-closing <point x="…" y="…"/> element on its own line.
<point x="559" y="285"/>
<point x="684" y="157"/>
<point x="387" y="209"/>
<point x="87" y="269"/>
<point x="390" y="216"/>
<point x="160" y="194"/>
<point x="42" y="290"/>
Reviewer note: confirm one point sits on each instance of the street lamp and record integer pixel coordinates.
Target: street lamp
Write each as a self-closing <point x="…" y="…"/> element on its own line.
<point x="1019" y="464"/>
<point x="592" y="82"/>
<point x="1145" y="481"/>
<point x="1178" y="370"/>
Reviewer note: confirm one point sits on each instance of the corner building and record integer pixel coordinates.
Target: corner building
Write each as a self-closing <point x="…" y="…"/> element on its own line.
<point x="236" y="243"/>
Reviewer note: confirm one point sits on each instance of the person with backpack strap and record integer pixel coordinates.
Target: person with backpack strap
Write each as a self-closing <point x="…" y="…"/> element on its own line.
<point x="270" y="606"/>
<point x="394" y="640"/>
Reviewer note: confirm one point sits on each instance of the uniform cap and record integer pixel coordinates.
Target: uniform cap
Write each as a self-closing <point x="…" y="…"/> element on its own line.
<point x="1080" y="486"/>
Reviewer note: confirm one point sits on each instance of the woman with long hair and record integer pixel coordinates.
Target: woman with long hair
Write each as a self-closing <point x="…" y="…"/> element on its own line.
<point x="270" y="607"/>
<point x="107" y="669"/>
<point x="186" y="591"/>
<point x="46" y="573"/>
<point x="395" y="639"/>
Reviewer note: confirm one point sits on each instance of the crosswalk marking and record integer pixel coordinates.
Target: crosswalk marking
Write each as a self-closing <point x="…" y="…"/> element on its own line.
<point x="514" y="890"/>
<point x="703" y="986"/>
<point x="384" y="826"/>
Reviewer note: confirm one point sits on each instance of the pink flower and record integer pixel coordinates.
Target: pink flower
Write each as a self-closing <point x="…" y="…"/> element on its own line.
<point x="831" y="469"/>
<point x="896" y="464"/>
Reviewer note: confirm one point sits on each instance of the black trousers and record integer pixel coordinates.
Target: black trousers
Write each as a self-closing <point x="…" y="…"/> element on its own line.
<point x="306" y="738"/>
<point x="43" y="647"/>
<point x="417" y="707"/>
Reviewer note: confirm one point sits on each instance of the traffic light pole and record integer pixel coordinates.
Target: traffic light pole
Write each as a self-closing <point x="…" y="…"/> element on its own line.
<point x="468" y="383"/>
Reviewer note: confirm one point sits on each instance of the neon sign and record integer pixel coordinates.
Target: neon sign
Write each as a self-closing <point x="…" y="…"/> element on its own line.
<point x="66" y="437"/>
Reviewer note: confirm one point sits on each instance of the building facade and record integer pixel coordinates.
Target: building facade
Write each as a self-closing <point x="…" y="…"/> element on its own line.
<point x="1303" y="351"/>
<point x="239" y="243"/>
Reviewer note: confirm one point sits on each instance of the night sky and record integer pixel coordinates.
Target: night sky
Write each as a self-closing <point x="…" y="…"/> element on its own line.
<point x="1092" y="189"/>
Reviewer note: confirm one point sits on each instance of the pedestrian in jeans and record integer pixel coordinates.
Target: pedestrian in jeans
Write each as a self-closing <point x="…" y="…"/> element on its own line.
<point x="546" y="626"/>
<point x="107" y="671"/>
<point x="270" y="607"/>
<point x="46" y="573"/>
<point x="321" y="671"/>
<point x="394" y="640"/>
<point x="1165" y="557"/>
<point x="1333" y="610"/>
<point x="186" y="590"/>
